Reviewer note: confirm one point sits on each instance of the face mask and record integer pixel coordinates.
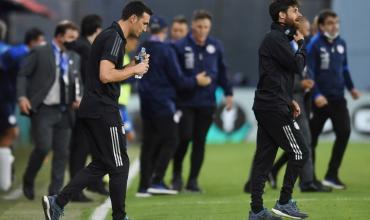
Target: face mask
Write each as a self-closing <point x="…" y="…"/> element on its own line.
<point x="70" y="45"/>
<point x="331" y="37"/>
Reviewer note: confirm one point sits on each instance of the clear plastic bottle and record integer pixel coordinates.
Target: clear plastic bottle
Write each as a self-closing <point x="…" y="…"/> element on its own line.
<point x="140" y="58"/>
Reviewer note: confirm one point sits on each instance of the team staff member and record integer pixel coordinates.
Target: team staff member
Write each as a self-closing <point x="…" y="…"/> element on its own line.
<point x="79" y="151"/>
<point x="198" y="53"/>
<point x="328" y="66"/>
<point x="45" y="92"/>
<point x="99" y="113"/>
<point x="275" y="110"/>
<point x="179" y="28"/>
<point x="157" y="93"/>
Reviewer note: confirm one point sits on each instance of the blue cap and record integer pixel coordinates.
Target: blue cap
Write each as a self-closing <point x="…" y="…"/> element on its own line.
<point x="157" y="23"/>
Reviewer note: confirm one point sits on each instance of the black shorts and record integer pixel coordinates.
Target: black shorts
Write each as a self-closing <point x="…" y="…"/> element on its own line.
<point x="7" y="116"/>
<point x="106" y="139"/>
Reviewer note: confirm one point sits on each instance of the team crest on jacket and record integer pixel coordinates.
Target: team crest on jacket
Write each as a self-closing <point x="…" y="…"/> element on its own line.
<point x="340" y="49"/>
<point x="211" y="49"/>
<point x="296" y="125"/>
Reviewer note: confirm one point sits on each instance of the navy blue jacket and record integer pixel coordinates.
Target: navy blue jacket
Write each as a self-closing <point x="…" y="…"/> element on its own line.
<point x="158" y="88"/>
<point x="194" y="59"/>
<point x="328" y="67"/>
<point x="11" y="61"/>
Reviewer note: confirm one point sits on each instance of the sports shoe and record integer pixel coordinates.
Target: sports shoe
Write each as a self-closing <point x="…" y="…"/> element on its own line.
<point x="143" y="193"/>
<point x="334" y="183"/>
<point x="262" y="215"/>
<point x="289" y="210"/>
<point x="193" y="187"/>
<point x="177" y="183"/>
<point x="161" y="189"/>
<point x="314" y="187"/>
<point x="51" y="209"/>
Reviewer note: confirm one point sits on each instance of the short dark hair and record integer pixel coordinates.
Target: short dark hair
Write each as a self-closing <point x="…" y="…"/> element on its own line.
<point x="137" y="8"/>
<point x="180" y="19"/>
<point x="32" y="34"/>
<point x="63" y="26"/>
<point x="202" y="14"/>
<point x="278" y="6"/>
<point x="324" y="15"/>
<point x="90" y="23"/>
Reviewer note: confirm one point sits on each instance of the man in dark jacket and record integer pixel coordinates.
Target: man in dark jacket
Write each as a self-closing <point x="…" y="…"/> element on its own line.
<point x="275" y="110"/>
<point x="157" y="92"/>
<point x="328" y="66"/>
<point x="46" y="92"/>
<point x="198" y="53"/>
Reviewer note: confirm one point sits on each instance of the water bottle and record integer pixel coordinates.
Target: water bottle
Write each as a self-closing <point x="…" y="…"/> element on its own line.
<point x="140" y="57"/>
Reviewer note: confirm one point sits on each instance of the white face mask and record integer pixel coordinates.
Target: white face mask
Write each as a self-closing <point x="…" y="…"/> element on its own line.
<point x="331" y="37"/>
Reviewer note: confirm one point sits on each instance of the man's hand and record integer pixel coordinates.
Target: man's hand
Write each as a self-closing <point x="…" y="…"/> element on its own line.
<point x="298" y="36"/>
<point x="76" y="104"/>
<point x="355" y="94"/>
<point x="320" y="101"/>
<point x="24" y="105"/>
<point x="203" y="79"/>
<point x="296" y="109"/>
<point x="307" y="84"/>
<point x="141" y="68"/>
<point x="229" y="102"/>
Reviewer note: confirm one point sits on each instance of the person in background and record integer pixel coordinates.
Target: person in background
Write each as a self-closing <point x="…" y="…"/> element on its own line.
<point x="45" y="85"/>
<point x="179" y="28"/>
<point x="158" y="92"/>
<point x="126" y="88"/>
<point x="328" y="67"/>
<point x="3" y="45"/>
<point x="198" y="53"/>
<point x="11" y="60"/>
<point x="91" y="26"/>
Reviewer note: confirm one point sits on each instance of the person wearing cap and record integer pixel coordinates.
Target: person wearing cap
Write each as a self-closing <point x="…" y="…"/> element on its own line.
<point x="158" y="92"/>
<point x="198" y="53"/>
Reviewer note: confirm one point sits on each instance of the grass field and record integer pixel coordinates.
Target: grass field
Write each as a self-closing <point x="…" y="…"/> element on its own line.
<point x="224" y="173"/>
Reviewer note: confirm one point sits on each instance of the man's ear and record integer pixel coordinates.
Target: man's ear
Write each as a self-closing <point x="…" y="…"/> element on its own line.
<point x="133" y="19"/>
<point x="282" y="15"/>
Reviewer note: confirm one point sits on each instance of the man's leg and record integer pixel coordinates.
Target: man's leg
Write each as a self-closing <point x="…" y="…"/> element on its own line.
<point x="202" y="122"/>
<point x="263" y="160"/>
<point x="168" y="134"/>
<point x="185" y="135"/>
<point x="61" y="139"/>
<point x="42" y="132"/>
<point x="320" y="115"/>
<point x="342" y="128"/>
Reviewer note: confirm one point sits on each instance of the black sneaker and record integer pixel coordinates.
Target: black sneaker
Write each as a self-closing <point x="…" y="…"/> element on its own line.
<point x="247" y="187"/>
<point x="177" y="183"/>
<point x="313" y="187"/>
<point x="289" y="210"/>
<point x="262" y="215"/>
<point x="271" y="178"/>
<point x="28" y="191"/>
<point x="333" y="183"/>
<point x="80" y="197"/>
<point x="51" y="209"/>
<point x="193" y="187"/>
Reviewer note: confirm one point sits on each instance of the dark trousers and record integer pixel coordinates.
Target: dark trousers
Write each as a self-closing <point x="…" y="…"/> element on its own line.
<point x="107" y="142"/>
<point x="338" y="113"/>
<point x="194" y="126"/>
<point x="51" y="129"/>
<point x="276" y="129"/>
<point x="160" y="136"/>
<point x="79" y="151"/>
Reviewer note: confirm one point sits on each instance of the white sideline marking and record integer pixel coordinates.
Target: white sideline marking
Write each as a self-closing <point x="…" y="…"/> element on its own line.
<point x="13" y="195"/>
<point x="101" y="212"/>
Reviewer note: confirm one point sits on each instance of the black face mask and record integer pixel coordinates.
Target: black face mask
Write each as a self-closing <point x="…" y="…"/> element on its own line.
<point x="70" y="45"/>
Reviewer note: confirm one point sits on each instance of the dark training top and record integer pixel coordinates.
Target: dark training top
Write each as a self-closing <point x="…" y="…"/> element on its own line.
<point x="277" y="66"/>
<point x="103" y="97"/>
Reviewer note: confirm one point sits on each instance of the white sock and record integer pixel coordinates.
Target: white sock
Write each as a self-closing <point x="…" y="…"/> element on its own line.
<point x="6" y="160"/>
